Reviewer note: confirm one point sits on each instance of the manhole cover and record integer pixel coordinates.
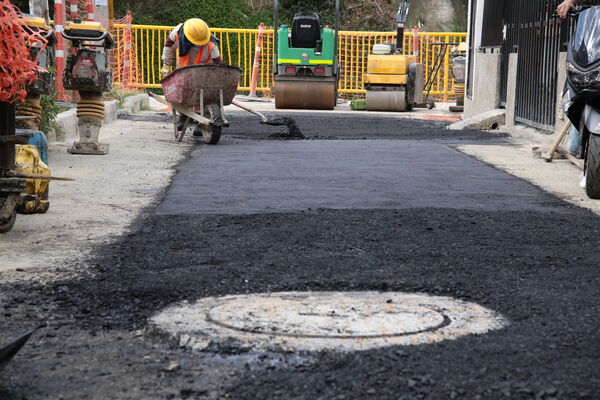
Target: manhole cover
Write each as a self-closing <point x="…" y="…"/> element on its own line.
<point x="324" y="320"/>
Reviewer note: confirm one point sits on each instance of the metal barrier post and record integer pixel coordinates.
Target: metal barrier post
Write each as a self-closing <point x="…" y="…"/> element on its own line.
<point x="259" y="39"/>
<point x="255" y="66"/>
<point x="90" y="10"/>
<point x="415" y="42"/>
<point x="127" y="51"/>
<point x="74" y="9"/>
<point x="59" y="13"/>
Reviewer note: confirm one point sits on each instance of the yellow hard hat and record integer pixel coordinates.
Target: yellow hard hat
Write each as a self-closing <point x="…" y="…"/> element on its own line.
<point x="196" y="31"/>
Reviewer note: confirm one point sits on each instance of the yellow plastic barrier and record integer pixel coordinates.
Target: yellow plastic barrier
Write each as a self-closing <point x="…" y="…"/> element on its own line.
<point x="238" y="45"/>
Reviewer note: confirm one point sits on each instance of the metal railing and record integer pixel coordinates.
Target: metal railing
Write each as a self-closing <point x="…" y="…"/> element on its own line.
<point x="529" y="29"/>
<point x="238" y="46"/>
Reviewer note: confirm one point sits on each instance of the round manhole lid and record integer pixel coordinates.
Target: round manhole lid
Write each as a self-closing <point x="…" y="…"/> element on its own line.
<point x="324" y="320"/>
<point x="301" y="316"/>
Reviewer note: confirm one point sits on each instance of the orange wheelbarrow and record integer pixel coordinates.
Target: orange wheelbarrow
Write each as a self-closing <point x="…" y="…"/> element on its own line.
<point x="200" y="93"/>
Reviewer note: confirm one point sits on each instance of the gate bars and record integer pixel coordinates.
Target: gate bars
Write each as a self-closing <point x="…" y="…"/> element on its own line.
<point x="528" y="29"/>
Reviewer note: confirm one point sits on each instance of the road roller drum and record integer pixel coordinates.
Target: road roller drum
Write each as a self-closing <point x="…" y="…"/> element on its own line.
<point x="386" y="100"/>
<point x="305" y="95"/>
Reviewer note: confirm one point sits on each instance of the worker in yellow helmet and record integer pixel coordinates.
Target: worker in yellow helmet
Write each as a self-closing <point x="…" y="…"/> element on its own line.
<point x="195" y="43"/>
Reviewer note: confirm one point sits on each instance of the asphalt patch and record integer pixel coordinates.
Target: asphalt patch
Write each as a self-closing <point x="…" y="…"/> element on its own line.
<point x="267" y="176"/>
<point x="537" y="267"/>
<point x="319" y="125"/>
<point x="293" y="133"/>
<point x="540" y="270"/>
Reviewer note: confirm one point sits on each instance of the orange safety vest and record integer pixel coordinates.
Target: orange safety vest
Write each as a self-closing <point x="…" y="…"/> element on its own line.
<point x="185" y="60"/>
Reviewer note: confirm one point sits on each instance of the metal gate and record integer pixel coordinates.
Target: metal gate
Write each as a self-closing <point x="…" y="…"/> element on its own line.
<point x="528" y="28"/>
<point x="537" y="70"/>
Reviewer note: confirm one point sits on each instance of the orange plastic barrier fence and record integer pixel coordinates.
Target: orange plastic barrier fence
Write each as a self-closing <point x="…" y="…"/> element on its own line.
<point x="16" y="67"/>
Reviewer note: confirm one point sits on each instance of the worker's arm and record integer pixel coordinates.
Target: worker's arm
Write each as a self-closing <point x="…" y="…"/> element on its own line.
<point x="566" y="6"/>
<point x="169" y="51"/>
<point x="215" y="55"/>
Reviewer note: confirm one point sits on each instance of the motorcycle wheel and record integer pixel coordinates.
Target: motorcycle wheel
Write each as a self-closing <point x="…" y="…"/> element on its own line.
<point x="592" y="167"/>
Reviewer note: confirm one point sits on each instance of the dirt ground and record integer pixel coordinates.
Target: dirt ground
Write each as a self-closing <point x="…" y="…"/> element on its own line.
<point x="106" y="196"/>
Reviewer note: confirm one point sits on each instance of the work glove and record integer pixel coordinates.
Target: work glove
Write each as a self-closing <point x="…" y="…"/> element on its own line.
<point x="165" y="70"/>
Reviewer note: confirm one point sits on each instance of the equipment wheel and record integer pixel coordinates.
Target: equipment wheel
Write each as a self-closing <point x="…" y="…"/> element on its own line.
<point x="592" y="167"/>
<point x="7" y="225"/>
<point x="45" y="206"/>
<point x="430" y="103"/>
<point x="212" y="134"/>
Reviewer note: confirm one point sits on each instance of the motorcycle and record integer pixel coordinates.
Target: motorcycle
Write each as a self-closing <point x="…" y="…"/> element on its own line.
<point x="581" y="101"/>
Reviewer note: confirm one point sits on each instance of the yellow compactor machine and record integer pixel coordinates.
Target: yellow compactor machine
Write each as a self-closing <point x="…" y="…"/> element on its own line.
<point x="394" y="81"/>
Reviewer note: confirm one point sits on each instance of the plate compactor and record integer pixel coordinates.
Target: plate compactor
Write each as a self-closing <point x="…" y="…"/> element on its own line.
<point x="394" y="82"/>
<point x="306" y="67"/>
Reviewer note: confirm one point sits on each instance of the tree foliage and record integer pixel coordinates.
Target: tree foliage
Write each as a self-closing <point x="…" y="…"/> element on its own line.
<point x="356" y="14"/>
<point x="222" y="14"/>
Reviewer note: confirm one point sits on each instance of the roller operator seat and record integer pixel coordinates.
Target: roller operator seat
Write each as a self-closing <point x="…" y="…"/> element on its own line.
<point x="306" y="30"/>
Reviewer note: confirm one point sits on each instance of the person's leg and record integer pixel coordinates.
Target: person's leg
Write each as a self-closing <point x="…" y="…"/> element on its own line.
<point x="181" y="122"/>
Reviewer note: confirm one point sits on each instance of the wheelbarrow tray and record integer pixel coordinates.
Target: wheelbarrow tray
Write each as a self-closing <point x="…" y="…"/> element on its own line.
<point x="187" y="85"/>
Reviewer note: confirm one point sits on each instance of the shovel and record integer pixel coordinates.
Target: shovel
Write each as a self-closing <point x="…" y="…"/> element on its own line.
<point x="293" y="130"/>
<point x="9" y="351"/>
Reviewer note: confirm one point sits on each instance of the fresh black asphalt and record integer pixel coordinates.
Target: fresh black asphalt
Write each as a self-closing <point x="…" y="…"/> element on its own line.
<point x="286" y="176"/>
<point x="399" y="213"/>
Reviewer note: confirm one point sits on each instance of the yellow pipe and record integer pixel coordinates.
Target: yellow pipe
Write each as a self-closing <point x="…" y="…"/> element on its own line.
<point x="229" y="48"/>
<point x="136" y="41"/>
<point x="153" y="64"/>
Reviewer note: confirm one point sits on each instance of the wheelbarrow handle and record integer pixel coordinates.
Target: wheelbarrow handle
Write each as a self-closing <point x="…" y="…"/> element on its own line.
<point x="159" y="98"/>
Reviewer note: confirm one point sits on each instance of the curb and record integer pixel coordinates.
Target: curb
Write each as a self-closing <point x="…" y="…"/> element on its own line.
<point x="68" y="128"/>
<point x="134" y="104"/>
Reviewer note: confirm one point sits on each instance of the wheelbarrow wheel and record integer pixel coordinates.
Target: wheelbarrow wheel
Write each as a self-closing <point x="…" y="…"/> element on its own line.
<point x="212" y="134"/>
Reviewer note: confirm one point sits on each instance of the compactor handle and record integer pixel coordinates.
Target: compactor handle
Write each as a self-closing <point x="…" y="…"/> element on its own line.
<point x="50" y="36"/>
<point x="105" y="37"/>
<point x="401" y="20"/>
<point x="89" y="39"/>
